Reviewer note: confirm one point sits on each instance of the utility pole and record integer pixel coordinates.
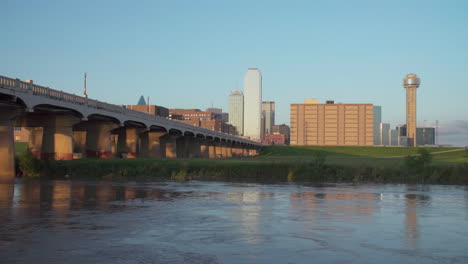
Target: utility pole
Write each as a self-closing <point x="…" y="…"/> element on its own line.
<point x="84" y="93"/>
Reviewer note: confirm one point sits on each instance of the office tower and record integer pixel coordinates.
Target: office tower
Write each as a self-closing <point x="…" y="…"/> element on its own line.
<point x="425" y="136"/>
<point x="411" y="83"/>
<point x="253" y="104"/>
<point x="401" y="131"/>
<point x="141" y="101"/>
<point x="394" y="137"/>
<point x="332" y="124"/>
<point x="268" y="112"/>
<point x="236" y="111"/>
<point x="384" y="134"/>
<point x="377" y="121"/>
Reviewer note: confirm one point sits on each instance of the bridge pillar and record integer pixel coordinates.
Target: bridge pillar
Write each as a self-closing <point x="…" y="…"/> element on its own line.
<point x="204" y="149"/>
<point x="57" y="137"/>
<point x="151" y="146"/>
<point x="195" y="148"/>
<point x="35" y="141"/>
<point x="229" y="150"/>
<point x="219" y="149"/>
<point x="211" y="149"/>
<point x="170" y="146"/>
<point x="79" y="144"/>
<point x="7" y="144"/>
<point x="183" y="146"/>
<point x="224" y="150"/>
<point x="127" y="142"/>
<point x="98" y="138"/>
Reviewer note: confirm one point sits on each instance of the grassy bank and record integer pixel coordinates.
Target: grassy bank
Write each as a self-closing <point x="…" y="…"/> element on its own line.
<point x="275" y="164"/>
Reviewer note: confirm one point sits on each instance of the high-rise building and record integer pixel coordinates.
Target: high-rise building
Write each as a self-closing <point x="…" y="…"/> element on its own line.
<point x="332" y="124"/>
<point x="377" y="121"/>
<point x="401" y="132"/>
<point x="384" y="134"/>
<point x="411" y="83"/>
<point x="393" y="137"/>
<point x="425" y="136"/>
<point x="236" y="111"/>
<point x="253" y="104"/>
<point x="268" y="113"/>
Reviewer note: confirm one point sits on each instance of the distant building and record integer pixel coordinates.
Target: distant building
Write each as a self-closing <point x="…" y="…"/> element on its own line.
<point x="275" y="139"/>
<point x="141" y="106"/>
<point x="377" y="121"/>
<point x="268" y="114"/>
<point x="214" y="110"/>
<point x="236" y="111"/>
<point x="196" y="117"/>
<point x="141" y="101"/>
<point x="21" y="134"/>
<point x="394" y="137"/>
<point x="384" y="134"/>
<point x="425" y="136"/>
<point x="150" y="109"/>
<point x="253" y="104"/>
<point x="332" y="124"/>
<point x="283" y="130"/>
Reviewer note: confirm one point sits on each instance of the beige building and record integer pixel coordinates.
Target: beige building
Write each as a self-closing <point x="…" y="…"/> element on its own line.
<point x="332" y="124"/>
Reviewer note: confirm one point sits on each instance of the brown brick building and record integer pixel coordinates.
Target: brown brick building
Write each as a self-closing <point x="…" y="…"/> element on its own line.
<point x="151" y="109"/>
<point x="196" y="117"/>
<point x="332" y="124"/>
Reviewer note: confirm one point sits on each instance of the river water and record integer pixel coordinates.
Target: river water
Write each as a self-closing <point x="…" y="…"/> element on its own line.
<point x="221" y="222"/>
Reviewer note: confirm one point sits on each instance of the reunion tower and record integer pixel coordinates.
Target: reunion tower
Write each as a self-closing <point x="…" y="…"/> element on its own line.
<point x="411" y="83"/>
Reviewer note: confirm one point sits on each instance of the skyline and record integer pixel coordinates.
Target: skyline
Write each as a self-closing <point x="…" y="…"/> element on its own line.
<point x="347" y="52"/>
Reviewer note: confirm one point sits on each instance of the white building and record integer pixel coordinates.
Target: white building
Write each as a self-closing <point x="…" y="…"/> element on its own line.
<point x="253" y="104"/>
<point x="236" y="111"/>
<point x="384" y="134"/>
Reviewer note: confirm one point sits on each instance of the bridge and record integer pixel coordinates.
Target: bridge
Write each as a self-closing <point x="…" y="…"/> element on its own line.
<point x="65" y="126"/>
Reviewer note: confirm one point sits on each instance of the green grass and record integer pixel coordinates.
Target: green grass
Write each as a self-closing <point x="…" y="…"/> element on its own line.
<point x="276" y="163"/>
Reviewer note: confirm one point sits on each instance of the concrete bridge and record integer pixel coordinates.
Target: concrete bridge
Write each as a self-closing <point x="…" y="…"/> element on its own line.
<point x="64" y="126"/>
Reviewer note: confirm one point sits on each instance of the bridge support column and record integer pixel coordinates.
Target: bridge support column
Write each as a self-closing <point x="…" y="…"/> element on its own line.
<point x="211" y="149"/>
<point x="170" y="146"/>
<point x="183" y="146"/>
<point x="57" y="138"/>
<point x="229" y="150"/>
<point x="204" y="149"/>
<point x="224" y="150"/>
<point x="127" y="142"/>
<point x="151" y="146"/>
<point x="194" y="148"/>
<point x="79" y="144"/>
<point x="98" y="139"/>
<point x="219" y="150"/>
<point x="35" y="141"/>
<point x="7" y="144"/>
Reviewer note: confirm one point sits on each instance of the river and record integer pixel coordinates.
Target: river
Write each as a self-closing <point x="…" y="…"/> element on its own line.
<point x="222" y="222"/>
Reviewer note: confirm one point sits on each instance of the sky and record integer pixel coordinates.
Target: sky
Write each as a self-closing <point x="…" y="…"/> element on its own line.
<point x="192" y="54"/>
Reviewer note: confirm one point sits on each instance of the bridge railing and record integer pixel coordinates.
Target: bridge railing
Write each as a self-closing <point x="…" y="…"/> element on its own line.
<point x="35" y="89"/>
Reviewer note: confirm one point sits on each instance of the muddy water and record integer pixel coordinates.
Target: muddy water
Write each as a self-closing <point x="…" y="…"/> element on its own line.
<point x="219" y="222"/>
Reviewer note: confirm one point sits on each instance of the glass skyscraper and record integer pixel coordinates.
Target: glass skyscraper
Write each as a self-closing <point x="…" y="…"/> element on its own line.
<point x="236" y="111"/>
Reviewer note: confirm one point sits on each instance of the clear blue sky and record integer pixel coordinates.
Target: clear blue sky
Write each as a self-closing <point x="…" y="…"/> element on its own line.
<point x="191" y="54"/>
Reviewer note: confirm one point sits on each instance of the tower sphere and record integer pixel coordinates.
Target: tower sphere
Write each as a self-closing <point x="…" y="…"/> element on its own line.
<point x="411" y="81"/>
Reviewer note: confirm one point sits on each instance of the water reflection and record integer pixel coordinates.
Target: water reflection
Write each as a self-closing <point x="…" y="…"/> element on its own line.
<point x="232" y="222"/>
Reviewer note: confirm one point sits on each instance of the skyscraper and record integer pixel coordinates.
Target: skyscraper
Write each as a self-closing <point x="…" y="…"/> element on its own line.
<point x="253" y="104"/>
<point x="268" y="112"/>
<point x="236" y="111"/>
<point x="411" y="83"/>
<point x="377" y="121"/>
